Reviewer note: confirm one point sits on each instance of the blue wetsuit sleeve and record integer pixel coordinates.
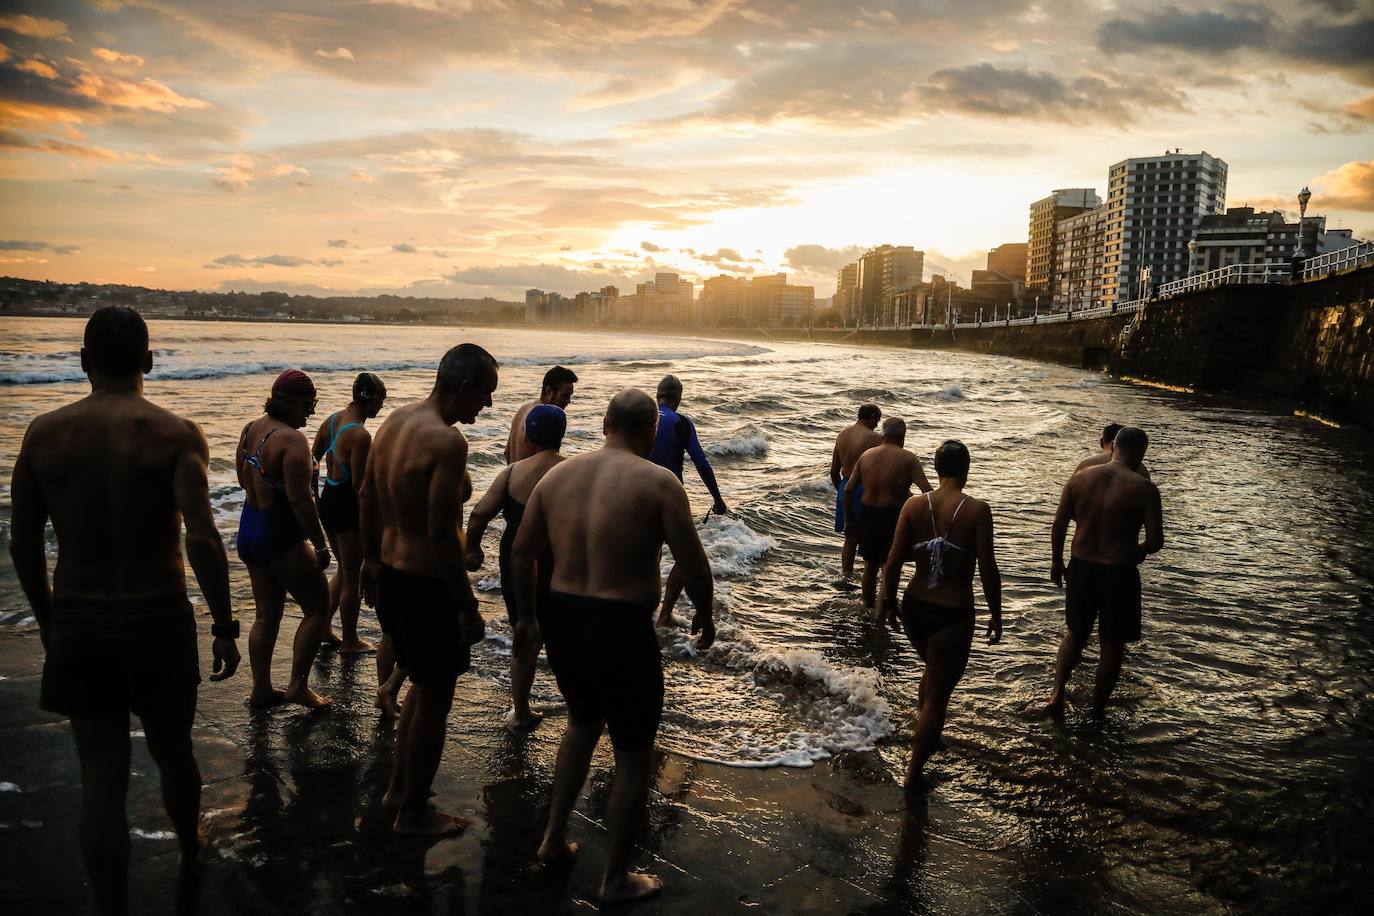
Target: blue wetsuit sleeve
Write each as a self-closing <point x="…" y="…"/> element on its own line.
<point x="708" y="476"/>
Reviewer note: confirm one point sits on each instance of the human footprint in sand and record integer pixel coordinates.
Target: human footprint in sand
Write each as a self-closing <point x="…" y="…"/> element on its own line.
<point x="509" y="493"/>
<point x="279" y="514"/>
<point x="410" y="508"/>
<point x="606" y="516"/>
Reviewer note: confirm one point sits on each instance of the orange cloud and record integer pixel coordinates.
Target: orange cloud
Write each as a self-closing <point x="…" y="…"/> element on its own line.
<point x="1350" y="187"/>
<point x="35" y="27"/>
<point x="243" y="169"/>
<point x="38" y="68"/>
<point x="146" y="94"/>
<point x="114" y="57"/>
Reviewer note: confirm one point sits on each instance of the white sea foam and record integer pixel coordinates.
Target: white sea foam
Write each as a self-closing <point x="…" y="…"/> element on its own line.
<point x="732" y="546"/>
<point x="748" y="441"/>
<point x="152" y="834"/>
<point x="10" y="787"/>
<point x="489" y="584"/>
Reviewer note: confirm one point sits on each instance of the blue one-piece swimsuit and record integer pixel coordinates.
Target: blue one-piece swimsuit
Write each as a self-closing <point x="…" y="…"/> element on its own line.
<point x="266" y="534"/>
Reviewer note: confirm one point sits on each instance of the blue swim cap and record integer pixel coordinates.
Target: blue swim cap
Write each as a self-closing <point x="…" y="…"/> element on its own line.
<point x="545" y="425"/>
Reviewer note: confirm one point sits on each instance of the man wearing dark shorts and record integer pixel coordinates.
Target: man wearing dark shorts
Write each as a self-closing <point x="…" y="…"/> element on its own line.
<point x="1110" y="504"/>
<point x="607" y="516"/>
<point x="118" y="476"/>
<point x="410" y="509"/>
<point x="884" y="475"/>
<point x="852" y="442"/>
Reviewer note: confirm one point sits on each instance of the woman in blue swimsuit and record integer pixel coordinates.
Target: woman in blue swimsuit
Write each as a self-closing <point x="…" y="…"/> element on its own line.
<point x="274" y="469"/>
<point x="343" y="443"/>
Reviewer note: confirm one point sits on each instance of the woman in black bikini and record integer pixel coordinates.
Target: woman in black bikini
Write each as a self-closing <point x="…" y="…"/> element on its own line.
<point x="945" y="533"/>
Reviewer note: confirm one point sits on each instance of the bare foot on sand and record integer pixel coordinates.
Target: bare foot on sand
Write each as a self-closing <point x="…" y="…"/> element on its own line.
<point x="356" y="647"/>
<point x="273" y="697"/>
<point x="304" y="696"/>
<point x="631" y="887"/>
<point x="560" y="854"/>
<point x="665" y="619"/>
<point x="520" y="724"/>
<point x="386" y="702"/>
<point x="331" y="640"/>
<point x="430" y="822"/>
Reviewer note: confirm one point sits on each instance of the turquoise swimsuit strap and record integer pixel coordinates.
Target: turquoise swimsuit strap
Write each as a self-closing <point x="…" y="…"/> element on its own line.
<point x="333" y="441"/>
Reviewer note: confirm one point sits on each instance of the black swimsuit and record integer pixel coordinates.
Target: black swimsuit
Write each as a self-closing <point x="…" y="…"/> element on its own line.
<point x="513" y="511"/>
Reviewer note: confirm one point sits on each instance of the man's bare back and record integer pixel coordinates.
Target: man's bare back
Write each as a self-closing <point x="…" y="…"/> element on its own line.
<point x="1110" y="503"/>
<point x="851" y="443"/>
<point x="517" y="447"/>
<point x="106" y="467"/>
<point x="888" y="472"/>
<point x="1105" y="457"/>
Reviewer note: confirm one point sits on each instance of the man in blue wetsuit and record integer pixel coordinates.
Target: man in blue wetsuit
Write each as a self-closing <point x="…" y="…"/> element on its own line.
<point x="676" y="436"/>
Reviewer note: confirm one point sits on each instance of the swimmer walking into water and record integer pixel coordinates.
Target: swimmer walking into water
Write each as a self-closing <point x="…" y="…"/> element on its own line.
<point x="279" y="515"/>
<point x="852" y="442"/>
<point x="677" y="436"/>
<point x="413" y="570"/>
<point x="343" y="442"/>
<point x="118" y="631"/>
<point x="1110" y="504"/>
<point x="606" y="515"/>
<point x="509" y="494"/>
<point x="946" y="532"/>
<point x="884" y="475"/>
<point x="1104" y="455"/>
<point x="557" y="390"/>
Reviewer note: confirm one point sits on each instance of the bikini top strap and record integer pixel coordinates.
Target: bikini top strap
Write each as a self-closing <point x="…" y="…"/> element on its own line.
<point x="264" y="441"/>
<point x="955" y="515"/>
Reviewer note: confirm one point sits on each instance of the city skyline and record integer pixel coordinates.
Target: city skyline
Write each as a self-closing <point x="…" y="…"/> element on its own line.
<point x="459" y="150"/>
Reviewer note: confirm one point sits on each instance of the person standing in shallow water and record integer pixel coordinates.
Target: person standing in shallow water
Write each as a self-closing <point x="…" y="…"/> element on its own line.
<point x="509" y="494"/>
<point x="946" y="532"/>
<point x="118" y="476"/>
<point x="1104" y="454"/>
<point x="413" y="571"/>
<point x="885" y="474"/>
<point x="557" y="390"/>
<point x="279" y="514"/>
<point x="1110" y="504"/>
<point x="852" y="442"/>
<point x="343" y="442"/>
<point x="606" y="516"/>
<point x="677" y="436"/>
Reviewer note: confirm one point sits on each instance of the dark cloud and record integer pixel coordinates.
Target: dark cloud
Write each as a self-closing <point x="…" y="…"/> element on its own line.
<point x="235" y="261"/>
<point x="17" y="245"/>
<point x="1205" y="31"/>
<point x="337" y="243"/>
<point x="404" y="248"/>
<point x="650" y="247"/>
<point x="542" y="276"/>
<point x="818" y="258"/>
<point x="1019" y="92"/>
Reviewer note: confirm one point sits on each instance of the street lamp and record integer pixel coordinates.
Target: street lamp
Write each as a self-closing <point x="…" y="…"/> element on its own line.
<point x="1303" y="197"/>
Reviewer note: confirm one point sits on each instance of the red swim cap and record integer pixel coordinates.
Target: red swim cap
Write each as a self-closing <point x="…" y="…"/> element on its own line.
<point x="294" y="383"/>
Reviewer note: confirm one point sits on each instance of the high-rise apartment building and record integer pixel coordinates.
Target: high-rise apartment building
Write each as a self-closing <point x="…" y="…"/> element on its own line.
<point x="883" y="272"/>
<point x="722" y="301"/>
<point x="1154" y="208"/>
<point x="536" y="306"/>
<point x="1045" y="215"/>
<point x="845" y="299"/>
<point x="1078" y="258"/>
<point x="667" y="299"/>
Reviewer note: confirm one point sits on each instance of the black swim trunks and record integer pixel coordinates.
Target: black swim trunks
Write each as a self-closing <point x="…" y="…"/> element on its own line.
<point x="106" y="657"/>
<point x="877" y="525"/>
<point x="922" y="620"/>
<point x="425" y="627"/>
<point x="1110" y="592"/>
<point x="604" y="655"/>
<point x="338" y="505"/>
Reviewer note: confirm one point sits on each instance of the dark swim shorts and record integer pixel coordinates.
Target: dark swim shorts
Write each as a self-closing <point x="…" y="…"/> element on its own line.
<point x="604" y="655"/>
<point x="1108" y="592"/>
<point x="106" y="657"/>
<point x="338" y="505"/>
<point x="424" y="626"/>
<point x="922" y="620"/>
<point x="877" y="525"/>
<point x="839" y="503"/>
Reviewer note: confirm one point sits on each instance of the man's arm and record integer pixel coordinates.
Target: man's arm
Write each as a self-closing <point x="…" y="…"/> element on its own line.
<point x="509" y="451"/>
<point x="1058" y="531"/>
<point x="204" y="546"/>
<point x="855" y="481"/>
<point x="918" y="475"/>
<point x="321" y="444"/>
<point x="28" y="525"/>
<point x="295" y="474"/>
<point x="370" y="534"/>
<point x="680" y="534"/>
<point x="481" y="516"/>
<point x="445" y="540"/>
<point x="708" y="476"/>
<point x="892" y="569"/>
<point x="835" y="464"/>
<point x="1154" y="524"/>
<point x="990" y="574"/>
<point x="530" y="541"/>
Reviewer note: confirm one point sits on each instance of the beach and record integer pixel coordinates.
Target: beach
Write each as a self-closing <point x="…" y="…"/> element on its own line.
<point x="1228" y="776"/>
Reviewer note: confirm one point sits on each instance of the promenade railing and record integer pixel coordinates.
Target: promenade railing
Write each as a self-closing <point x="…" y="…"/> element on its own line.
<point x="1232" y="274"/>
<point x="1334" y="262"/>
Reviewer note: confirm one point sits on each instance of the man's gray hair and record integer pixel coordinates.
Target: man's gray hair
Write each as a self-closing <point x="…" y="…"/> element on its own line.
<point x="632" y="412"/>
<point x="464" y="363"/>
<point x="894" y="428"/>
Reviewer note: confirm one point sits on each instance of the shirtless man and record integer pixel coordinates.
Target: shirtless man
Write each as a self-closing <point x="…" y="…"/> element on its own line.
<point x="558" y="391"/>
<point x="508" y="495"/>
<point x="884" y="475"/>
<point x="1104" y="455"/>
<point x="119" y="476"/>
<point x="1110" y="504"/>
<point x="607" y="516"/>
<point x="945" y="533"/>
<point x="852" y="442"/>
<point x="413" y="570"/>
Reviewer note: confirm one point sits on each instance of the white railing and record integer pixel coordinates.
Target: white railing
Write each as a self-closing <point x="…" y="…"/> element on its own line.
<point x="1225" y="276"/>
<point x="1334" y="262"/>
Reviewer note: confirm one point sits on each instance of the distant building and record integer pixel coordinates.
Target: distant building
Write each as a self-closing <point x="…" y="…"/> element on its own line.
<point x="996" y="287"/>
<point x="883" y="272"/>
<point x="1243" y="236"/>
<point x="1045" y="215"/>
<point x="845" y="300"/>
<point x="601" y="306"/>
<point x="763" y="300"/>
<point x="1078" y="259"/>
<point x="667" y="299"/>
<point x="1009" y="260"/>
<point x="1154" y="208"/>
<point x="536" y="306"/>
<point x="722" y="301"/>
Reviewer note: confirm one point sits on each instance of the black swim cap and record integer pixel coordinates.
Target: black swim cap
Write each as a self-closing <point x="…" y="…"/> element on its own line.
<point x="368" y="387"/>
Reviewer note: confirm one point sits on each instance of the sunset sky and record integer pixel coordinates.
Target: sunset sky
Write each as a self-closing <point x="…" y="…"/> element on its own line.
<point x="479" y="147"/>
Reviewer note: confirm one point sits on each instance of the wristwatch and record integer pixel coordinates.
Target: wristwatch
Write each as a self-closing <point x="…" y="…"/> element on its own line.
<point x="228" y="630"/>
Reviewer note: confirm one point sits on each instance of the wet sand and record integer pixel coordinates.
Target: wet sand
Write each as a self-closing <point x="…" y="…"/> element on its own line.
<point x="291" y="802"/>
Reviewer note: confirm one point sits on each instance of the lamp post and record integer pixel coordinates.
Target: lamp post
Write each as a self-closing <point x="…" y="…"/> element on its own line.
<point x="1301" y="254"/>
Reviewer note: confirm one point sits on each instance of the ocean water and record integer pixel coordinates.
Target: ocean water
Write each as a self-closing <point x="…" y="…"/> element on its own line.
<point x="1235" y="756"/>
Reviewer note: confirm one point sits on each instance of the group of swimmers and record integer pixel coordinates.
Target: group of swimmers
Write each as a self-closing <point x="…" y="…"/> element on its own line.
<point x="579" y="562"/>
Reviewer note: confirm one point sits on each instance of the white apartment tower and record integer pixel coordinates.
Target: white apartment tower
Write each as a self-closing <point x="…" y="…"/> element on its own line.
<point x="1154" y="206"/>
